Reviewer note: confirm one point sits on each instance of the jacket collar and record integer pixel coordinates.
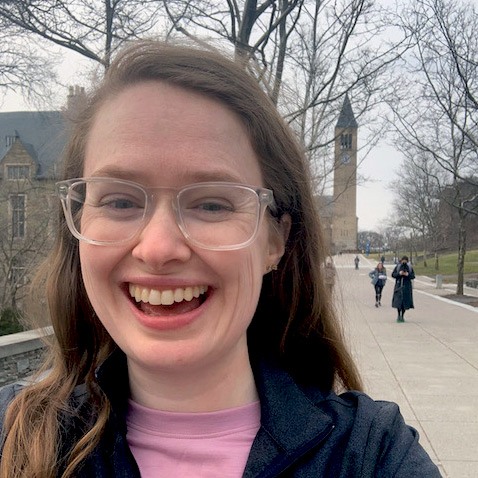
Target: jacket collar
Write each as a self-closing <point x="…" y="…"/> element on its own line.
<point x="292" y="421"/>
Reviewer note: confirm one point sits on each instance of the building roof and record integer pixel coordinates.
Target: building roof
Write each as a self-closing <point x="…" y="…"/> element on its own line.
<point x="42" y="133"/>
<point x="346" y="117"/>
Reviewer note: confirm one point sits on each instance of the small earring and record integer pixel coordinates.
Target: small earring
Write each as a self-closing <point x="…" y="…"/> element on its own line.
<point x="272" y="267"/>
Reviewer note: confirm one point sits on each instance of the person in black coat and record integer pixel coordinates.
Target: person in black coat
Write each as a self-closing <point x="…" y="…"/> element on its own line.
<point x="403" y="291"/>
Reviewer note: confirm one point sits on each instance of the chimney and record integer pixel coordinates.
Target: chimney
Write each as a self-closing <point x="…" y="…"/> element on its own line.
<point x="75" y="101"/>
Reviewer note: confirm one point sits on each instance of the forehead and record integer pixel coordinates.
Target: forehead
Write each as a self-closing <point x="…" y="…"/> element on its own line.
<point x="153" y="129"/>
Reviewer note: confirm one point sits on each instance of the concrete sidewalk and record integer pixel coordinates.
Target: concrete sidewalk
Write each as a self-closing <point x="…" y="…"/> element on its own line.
<point x="428" y="364"/>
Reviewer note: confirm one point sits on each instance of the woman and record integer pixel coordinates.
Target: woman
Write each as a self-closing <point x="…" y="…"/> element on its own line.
<point x="330" y="274"/>
<point x="379" y="277"/>
<point x="403" y="290"/>
<point x="194" y="333"/>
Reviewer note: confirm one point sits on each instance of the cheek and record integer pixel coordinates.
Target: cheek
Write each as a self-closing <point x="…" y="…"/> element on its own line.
<point x="244" y="275"/>
<point x="242" y="282"/>
<point x="96" y="265"/>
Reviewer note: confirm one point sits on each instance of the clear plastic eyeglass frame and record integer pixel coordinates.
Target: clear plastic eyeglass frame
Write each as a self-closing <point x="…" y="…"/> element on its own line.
<point x="218" y="216"/>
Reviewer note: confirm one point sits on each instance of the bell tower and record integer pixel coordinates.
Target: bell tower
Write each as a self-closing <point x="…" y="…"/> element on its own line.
<point x="344" y="218"/>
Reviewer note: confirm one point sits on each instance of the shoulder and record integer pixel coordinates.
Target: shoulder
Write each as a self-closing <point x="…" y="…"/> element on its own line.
<point x="355" y="432"/>
<point x="8" y="393"/>
<point x="358" y="405"/>
<point x="379" y="437"/>
<point x="357" y="413"/>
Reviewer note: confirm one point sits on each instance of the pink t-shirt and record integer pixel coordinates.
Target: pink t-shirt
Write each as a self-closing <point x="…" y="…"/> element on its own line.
<point x="199" y="445"/>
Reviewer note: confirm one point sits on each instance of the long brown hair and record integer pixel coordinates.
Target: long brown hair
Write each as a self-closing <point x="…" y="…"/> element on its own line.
<point x="295" y="321"/>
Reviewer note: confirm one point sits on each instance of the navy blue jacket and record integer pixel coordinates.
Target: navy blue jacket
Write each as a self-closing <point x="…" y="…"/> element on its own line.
<point x="304" y="433"/>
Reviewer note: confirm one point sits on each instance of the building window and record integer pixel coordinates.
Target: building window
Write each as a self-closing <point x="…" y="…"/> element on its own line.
<point x="18" y="172"/>
<point x="17" y="276"/>
<point x="17" y="208"/>
<point x="346" y="141"/>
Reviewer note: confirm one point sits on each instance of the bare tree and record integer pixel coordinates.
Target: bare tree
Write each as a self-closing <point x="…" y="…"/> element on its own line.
<point x="416" y="205"/>
<point x="340" y="50"/>
<point x="307" y="55"/>
<point x="23" y="66"/>
<point x="257" y="32"/>
<point x="434" y="116"/>
<point x="93" y="29"/>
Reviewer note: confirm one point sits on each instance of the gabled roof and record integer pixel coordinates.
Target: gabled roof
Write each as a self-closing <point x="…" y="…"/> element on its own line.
<point x="41" y="132"/>
<point x="346" y="117"/>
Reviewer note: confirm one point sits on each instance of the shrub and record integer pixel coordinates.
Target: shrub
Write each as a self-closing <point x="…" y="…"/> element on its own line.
<point x="10" y="321"/>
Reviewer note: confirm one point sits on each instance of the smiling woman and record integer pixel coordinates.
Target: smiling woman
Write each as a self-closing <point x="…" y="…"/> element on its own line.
<point x="194" y="331"/>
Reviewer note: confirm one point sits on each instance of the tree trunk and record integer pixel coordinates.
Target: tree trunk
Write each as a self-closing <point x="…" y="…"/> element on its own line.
<point x="461" y="252"/>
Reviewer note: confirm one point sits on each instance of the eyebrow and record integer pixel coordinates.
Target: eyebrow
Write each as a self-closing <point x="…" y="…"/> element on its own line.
<point x="188" y="178"/>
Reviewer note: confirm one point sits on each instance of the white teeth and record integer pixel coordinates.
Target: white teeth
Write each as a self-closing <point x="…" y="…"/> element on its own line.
<point x="165" y="297"/>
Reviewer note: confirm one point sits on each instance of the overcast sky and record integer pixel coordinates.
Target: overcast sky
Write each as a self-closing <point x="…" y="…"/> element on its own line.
<point x="381" y="166"/>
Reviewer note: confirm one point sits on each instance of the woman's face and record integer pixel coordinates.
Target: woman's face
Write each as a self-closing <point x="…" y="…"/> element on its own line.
<point x="163" y="136"/>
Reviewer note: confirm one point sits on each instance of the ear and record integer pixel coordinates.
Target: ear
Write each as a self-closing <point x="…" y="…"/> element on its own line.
<point x="278" y="235"/>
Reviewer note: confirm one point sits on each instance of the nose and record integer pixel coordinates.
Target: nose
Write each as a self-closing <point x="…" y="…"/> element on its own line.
<point x="161" y="241"/>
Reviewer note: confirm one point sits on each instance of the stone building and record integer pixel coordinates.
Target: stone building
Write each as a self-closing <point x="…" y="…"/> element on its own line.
<point x="30" y="145"/>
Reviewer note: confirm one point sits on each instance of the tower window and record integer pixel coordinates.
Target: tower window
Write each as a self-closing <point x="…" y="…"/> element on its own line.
<point x="346" y="141"/>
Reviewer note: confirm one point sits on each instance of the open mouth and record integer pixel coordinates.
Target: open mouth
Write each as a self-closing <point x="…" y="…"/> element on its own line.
<point x="168" y="302"/>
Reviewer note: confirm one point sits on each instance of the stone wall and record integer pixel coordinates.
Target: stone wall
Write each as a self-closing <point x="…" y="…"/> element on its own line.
<point x="21" y="354"/>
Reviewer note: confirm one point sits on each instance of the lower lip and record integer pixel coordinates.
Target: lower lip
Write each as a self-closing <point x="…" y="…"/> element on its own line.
<point x="170" y="322"/>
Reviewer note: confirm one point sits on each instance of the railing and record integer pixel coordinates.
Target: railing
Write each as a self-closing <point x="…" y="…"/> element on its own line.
<point x="21" y="354"/>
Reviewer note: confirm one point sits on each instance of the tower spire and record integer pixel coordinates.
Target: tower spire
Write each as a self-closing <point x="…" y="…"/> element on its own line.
<point x="346" y="117"/>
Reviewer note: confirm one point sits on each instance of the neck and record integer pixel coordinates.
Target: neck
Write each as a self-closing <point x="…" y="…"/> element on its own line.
<point x="219" y="385"/>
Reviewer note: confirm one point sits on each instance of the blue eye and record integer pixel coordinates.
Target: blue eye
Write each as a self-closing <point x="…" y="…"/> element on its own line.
<point x="120" y="203"/>
<point x="119" y="206"/>
<point x="214" y="207"/>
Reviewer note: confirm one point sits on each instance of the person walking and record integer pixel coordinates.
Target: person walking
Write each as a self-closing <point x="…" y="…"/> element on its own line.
<point x="403" y="290"/>
<point x="379" y="277"/>
<point x="330" y="274"/>
<point x="356" y="261"/>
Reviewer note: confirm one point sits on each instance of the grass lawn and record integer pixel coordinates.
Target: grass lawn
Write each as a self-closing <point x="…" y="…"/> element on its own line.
<point x="447" y="266"/>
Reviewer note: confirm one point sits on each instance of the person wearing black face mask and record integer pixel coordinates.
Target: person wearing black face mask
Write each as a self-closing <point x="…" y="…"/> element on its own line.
<point x="403" y="290"/>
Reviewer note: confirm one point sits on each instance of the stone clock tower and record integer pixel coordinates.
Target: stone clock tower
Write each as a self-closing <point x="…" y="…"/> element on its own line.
<point x="344" y="218"/>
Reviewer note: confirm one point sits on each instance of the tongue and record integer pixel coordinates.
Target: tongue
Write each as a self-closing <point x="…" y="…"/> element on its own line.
<point x="174" y="309"/>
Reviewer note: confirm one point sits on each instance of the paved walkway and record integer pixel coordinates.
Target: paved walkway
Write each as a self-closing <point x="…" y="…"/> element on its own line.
<point x="428" y="364"/>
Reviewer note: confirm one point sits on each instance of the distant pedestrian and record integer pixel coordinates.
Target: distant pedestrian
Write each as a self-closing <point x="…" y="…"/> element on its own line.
<point x="330" y="273"/>
<point x="382" y="259"/>
<point x="379" y="277"/>
<point x="356" y="261"/>
<point x="403" y="290"/>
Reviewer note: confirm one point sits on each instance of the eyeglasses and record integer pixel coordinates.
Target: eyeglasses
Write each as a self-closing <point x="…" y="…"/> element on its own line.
<point x="212" y="215"/>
